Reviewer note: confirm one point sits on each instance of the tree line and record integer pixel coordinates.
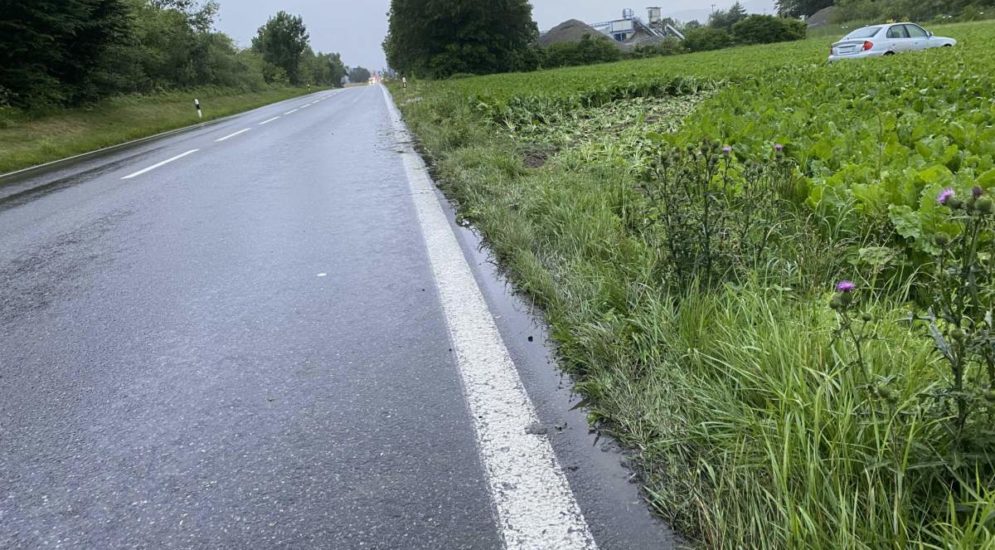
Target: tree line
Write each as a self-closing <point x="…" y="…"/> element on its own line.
<point x="68" y="52"/>
<point x="724" y="29"/>
<point x="736" y="27"/>
<point x="457" y="37"/>
<point x="442" y="39"/>
<point x="878" y="10"/>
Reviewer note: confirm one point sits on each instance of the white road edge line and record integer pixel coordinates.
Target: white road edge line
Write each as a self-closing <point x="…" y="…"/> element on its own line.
<point x="160" y="165"/>
<point x="290" y="112"/>
<point x="265" y="122"/>
<point x="226" y="138"/>
<point x="535" y="505"/>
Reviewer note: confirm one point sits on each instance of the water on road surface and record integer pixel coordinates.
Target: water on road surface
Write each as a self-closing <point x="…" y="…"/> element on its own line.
<point x="234" y="337"/>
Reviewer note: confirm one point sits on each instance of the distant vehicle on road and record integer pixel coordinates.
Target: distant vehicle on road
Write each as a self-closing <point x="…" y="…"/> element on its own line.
<point x="889" y="39"/>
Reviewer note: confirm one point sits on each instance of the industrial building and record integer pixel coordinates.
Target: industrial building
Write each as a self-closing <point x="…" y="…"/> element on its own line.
<point x="631" y="30"/>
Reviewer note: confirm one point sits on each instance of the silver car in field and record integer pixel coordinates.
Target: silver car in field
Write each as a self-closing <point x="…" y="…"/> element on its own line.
<point x="889" y="39"/>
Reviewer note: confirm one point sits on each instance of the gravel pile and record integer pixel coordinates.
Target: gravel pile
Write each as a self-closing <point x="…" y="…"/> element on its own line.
<point x="569" y="31"/>
<point x="822" y="17"/>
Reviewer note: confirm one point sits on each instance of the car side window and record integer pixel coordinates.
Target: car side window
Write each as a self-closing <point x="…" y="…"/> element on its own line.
<point x="915" y="31"/>
<point x="898" y="31"/>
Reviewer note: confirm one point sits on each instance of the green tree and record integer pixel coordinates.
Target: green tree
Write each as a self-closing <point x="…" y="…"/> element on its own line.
<point x="50" y="49"/>
<point x="441" y="38"/>
<point x="282" y="42"/>
<point x="587" y="51"/>
<point x="359" y="74"/>
<point x="58" y="52"/>
<point x="172" y="44"/>
<point x="766" y="29"/>
<point x="337" y="69"/>
<point x="322" y="69"/>
<point x="706" y="38"/>
<point x="199" y="15"/>
<point x="724" y="20"/>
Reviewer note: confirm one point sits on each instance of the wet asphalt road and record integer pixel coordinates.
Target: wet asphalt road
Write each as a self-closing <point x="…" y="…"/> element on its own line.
<point x="244" y="348"/>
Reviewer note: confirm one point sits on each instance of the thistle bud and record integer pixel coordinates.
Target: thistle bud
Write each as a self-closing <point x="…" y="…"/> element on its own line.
<point x="984" y="205"/>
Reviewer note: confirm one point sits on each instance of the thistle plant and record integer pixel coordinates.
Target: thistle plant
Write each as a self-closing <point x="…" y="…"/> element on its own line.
<point x="854" y="326"/>
<point x="710" y="215"/>
<point x="961" y="296"/>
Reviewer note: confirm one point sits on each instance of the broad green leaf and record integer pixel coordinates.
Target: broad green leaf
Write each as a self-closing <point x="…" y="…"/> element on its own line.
<point x="935" y="174"/>
<point x="876" y="256"/>
<point x="906" y="221"/>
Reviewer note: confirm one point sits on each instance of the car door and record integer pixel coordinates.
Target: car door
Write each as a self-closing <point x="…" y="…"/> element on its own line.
<point x="898" y="38"/>
<point x="918" y="37"/>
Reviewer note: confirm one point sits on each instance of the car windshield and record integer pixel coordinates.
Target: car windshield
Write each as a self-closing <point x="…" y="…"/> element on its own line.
<point x="865" y="32"/>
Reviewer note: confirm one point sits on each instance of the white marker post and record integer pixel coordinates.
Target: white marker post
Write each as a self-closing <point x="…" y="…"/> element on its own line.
<point x="196" y="103"/>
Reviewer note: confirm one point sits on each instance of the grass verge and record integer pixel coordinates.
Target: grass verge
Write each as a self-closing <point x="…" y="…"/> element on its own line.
<point x="31" y="139"/>
<point x="758" y="422"/>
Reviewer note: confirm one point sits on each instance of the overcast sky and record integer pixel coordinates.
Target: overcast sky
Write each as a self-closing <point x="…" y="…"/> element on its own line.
<point x="356" y="28"/>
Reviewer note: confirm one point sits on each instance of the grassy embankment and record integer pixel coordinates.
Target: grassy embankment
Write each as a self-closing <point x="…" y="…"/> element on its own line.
<point x="706" y="341"/>
<point x="28" y="139"/>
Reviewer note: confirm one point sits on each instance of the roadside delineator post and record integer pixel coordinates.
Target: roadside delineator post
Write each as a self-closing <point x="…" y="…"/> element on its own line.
<point x="196" y="103"/>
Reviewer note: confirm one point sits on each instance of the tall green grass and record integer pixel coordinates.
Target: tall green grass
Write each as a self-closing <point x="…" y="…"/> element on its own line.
<point x="752" y="426"/>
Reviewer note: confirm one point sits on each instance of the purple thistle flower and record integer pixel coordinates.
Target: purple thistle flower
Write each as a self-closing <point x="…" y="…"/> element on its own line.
<point x="726" y="150"/>
<point x="977" y="192"/>
<point x="779" y="148"/>
<point x="945" y="196"/>
<point x="845" y="287"/>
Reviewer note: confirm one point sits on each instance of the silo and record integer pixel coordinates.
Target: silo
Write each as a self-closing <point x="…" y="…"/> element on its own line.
<point x="655" y="15"/>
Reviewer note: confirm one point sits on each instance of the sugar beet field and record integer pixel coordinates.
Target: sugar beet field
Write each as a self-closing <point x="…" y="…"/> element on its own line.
<point x="772" y="278"/>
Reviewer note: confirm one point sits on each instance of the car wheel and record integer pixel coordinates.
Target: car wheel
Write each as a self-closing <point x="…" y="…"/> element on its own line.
<point x="948" y="45"/>
<point x="889" y="53"/>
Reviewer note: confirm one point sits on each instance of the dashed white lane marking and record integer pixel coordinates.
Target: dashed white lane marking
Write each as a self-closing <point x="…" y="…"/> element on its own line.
<point x="226" y="138"/>
<point x="534" y="503"/>
<point x="290" y="112"/>
<point x="304" y="106"/>
<point x="320" y="275"/>
<point x="160" y="165"/>
<point x="265" y="122"/>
